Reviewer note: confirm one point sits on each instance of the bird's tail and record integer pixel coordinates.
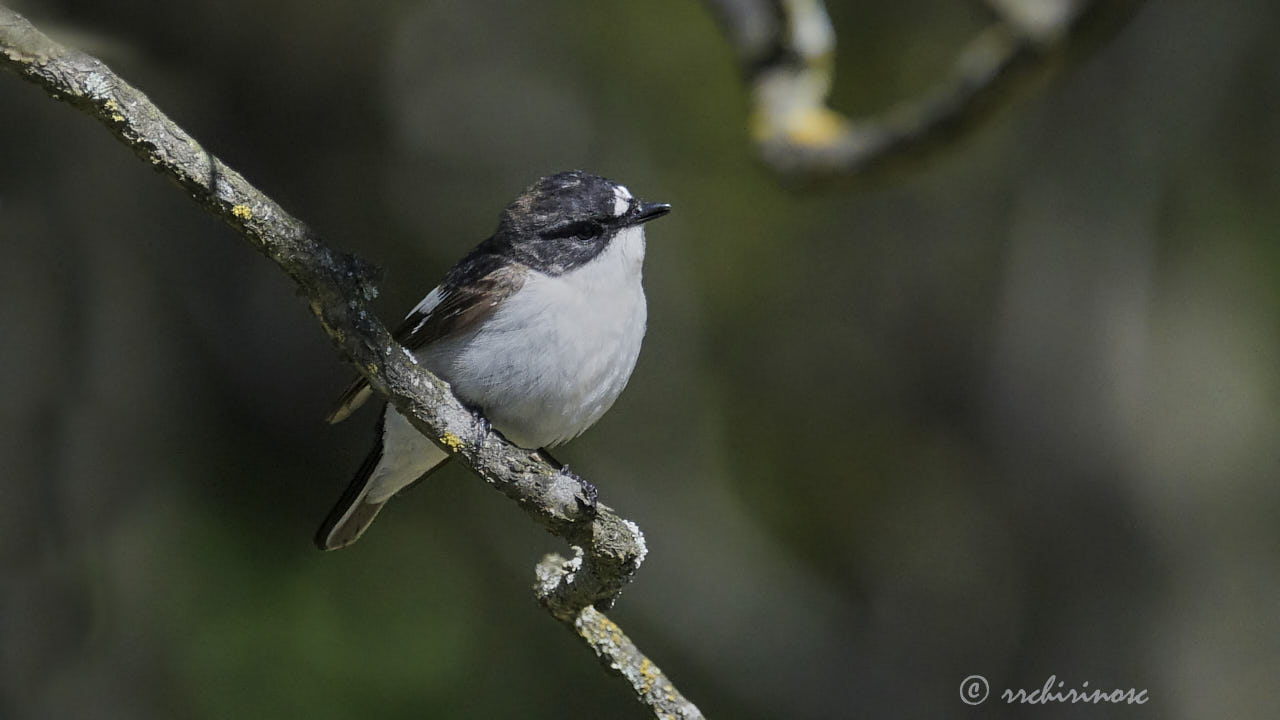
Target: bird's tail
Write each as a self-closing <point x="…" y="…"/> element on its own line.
<point x="348" y="519"/>
<point x="401" y="458"/>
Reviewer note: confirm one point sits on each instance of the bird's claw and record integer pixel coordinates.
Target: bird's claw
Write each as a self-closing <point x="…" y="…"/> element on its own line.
<point x="481" y="422"/>
<point x="589" y="500"/>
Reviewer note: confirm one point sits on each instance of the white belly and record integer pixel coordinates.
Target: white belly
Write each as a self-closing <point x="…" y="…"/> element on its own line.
<point x="555" y="355"/>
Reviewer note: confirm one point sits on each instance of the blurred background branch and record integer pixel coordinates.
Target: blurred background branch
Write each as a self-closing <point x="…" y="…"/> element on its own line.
<point x="786" y="49"/>
<point x="338" y="289"/>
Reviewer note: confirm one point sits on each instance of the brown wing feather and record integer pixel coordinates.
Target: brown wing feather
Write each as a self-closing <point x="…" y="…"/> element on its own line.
<point x="459" y="308"/>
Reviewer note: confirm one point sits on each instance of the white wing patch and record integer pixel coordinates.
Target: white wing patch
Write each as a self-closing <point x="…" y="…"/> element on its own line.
<point x="427" y="304"/>
<point x="621" y="200"/>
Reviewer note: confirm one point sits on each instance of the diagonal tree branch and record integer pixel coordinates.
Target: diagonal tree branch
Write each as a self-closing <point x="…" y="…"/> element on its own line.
<point x="608" y="549"/>
<point x="786" y="50"/>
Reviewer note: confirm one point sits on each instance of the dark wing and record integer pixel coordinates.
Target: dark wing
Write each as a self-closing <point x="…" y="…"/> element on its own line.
<point x="446" y="310"/>
<point x="474" y="288"/>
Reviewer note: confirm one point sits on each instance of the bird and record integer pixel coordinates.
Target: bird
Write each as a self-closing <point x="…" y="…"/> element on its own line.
<point x="537" y="329"/>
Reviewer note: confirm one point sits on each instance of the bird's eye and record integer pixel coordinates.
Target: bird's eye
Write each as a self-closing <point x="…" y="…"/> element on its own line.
<point x="584" y="229"/>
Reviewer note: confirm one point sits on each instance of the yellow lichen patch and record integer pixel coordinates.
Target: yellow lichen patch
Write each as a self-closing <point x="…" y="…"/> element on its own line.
<point x="114" y="108"/>
<point x="242" y="211"/>
<point x="596" y="629"/>
<point x="650" y="673"/>
<point x="372" y="368"/>
<point x="451" y="441"/>
<point x="816" y="127"/>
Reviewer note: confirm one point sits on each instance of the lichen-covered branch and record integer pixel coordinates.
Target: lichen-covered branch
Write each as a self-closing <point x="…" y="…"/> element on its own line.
<point x="786" y="49"/>
<point x="614" y="649"/>
<point x="338" y="287"/>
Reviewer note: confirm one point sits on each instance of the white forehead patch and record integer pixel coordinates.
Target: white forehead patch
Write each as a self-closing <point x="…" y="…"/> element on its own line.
<point x="621" y="200"/>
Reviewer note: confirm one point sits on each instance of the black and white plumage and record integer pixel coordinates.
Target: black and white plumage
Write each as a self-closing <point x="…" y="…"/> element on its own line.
<point x="538" y="328"/>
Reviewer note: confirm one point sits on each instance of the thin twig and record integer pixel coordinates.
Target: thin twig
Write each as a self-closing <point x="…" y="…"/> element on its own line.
<point x="338" y="287"/>
<point x="786" y="49"/>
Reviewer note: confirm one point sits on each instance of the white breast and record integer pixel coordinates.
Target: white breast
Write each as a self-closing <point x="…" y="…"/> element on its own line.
<point x="555" y="355"/>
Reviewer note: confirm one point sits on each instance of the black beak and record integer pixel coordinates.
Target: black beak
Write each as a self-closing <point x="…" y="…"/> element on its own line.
<point x="651" y="211"/>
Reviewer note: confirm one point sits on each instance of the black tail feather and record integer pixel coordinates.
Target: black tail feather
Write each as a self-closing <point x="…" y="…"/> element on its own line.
<point x="354" y="494"/>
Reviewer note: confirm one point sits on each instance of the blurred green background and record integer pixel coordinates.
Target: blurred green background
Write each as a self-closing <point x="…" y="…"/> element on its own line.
<point x="1011" y="414"/>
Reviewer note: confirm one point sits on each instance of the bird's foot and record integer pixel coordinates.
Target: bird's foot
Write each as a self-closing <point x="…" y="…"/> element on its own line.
<point x="589" y="499"/>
